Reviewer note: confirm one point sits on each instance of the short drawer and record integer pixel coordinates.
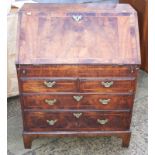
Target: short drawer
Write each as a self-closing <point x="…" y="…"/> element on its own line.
<point x="77" y="120"/>
<point x="76" y="70"/>
<point x="38" y="85"/>
<point x="78" y="101"/>
<point x="109" y="85"/>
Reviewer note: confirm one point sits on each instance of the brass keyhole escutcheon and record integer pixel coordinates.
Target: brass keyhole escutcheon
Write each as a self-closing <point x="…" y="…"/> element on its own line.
<point x="77" y="115"/>
<point x="77" y="18"/>
<point x="107" y="84"/>
<point x="50" y="101"/>
<point x="104" y="101"/>
<point x="102" y="121"/>
<point x="49" y="84"/>
<point x="51" y="122"/>
<point x="78" y="98"/>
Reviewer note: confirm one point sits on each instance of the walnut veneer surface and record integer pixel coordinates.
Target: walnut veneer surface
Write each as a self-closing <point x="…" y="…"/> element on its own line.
<point x="77" y="68"/>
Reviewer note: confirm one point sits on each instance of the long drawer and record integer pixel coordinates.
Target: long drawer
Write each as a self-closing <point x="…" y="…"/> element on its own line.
<point x="78" y="101"/>
<point x="76" y="71"/>
<point x="79" y="120"/>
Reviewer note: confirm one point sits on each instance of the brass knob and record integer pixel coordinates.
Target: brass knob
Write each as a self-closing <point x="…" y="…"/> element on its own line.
<point x="107" y="84"/>
<point x="51" y="122"/>
<point x="50" y="101"/>
<point x="77" y="115"/>
<point x="104" y="101"/>
<point x="49" y="84"/>
<point x="23" y="71"/>
<point x="102" y="121"/>
<point x="28" y="13"/>
<point x="78" y="98"/>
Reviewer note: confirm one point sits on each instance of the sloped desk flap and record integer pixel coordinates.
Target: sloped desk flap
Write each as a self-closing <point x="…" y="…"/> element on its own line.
<point x="78" y="34"/>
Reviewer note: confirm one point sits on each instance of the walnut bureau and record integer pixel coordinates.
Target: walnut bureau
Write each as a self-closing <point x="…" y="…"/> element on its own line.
<point x="77" y="67"/>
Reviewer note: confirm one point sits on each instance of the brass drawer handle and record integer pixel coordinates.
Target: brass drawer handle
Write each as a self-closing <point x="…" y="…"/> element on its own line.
<point x="104" y="101"/>
<point x="77" y="18"/>
<point x="107" y="84"/>
<point x="77" y="115"/>
<point x="50" y="101"/>
<point x="51" y="122"/>
<point x="102" y="121"/>
<point x="49" y="84"/>
<point x="78" y="98"/>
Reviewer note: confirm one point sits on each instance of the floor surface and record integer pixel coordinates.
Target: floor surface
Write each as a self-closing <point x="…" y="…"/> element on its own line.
<point x="84" y="146"/>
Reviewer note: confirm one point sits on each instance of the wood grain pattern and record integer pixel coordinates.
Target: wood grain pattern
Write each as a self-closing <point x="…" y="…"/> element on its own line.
<point x="63" y="8"/>
<point x="77" y="68"/>
<point x="37" y="85"/>
<point x="76" y="71"/>
<point x="84" y="85"/>
<point x="119" y="85"/>
<point x="89" y="101"/>
<point x="66" y="121"/>
<point x="72" y="42"/>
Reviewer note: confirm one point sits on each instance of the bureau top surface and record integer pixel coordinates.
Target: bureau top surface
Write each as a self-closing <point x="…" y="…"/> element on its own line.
<point x="78" y="34"/>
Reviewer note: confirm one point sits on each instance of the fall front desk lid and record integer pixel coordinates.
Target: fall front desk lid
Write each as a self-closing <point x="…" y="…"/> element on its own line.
<point x="78" y="34"/>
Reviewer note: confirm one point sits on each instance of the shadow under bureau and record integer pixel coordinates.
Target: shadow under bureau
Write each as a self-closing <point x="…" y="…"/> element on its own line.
<point x="77" y="67"/>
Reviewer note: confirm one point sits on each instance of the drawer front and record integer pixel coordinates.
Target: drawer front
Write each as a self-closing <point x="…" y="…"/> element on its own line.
<point x="76" y="70"/>
<point x="82" y="121"/>
<point x="48" y="85"/>
<point x="49" y="121"/>
<point x="78" y="101"/>
<point x="107" y="85"/>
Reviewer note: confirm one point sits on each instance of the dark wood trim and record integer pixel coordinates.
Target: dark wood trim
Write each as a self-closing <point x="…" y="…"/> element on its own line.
<point x="72" y="93"/>
<point x="75" y="110"/>
<point x="29" y="136"/>
<point x="88" y="64"/>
